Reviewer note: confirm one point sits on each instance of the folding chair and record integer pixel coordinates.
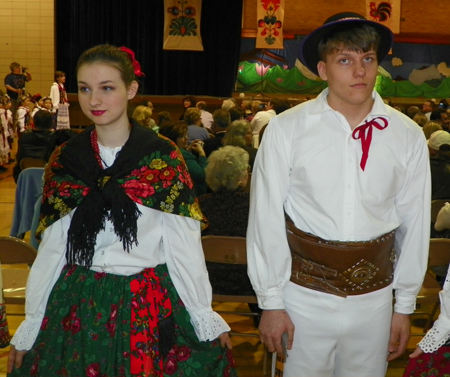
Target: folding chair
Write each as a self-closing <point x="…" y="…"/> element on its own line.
<point x="231" y="250"/>
<point x="429" y="293"/>
<point x="14" y="252"/>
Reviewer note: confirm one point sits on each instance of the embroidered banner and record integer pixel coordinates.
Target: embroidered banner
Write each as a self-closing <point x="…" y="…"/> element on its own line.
<point x="270" y="16"/>
<point x="385" y="12"/>
<point x="182" y="25"/>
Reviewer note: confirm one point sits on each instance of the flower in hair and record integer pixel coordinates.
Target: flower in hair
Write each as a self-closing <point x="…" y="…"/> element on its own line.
<point x="136" y="65"/>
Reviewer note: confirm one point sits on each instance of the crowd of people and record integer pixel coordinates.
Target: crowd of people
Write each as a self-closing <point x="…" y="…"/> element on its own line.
<point x="18" y="109"/>
<point x="346" y="174"/>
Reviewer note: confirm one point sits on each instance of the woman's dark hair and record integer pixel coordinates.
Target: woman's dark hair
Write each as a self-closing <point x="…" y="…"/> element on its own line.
<point x="59" y="74"/>
<point x="109" y="55"/>
<point x="163" y="116"/>
<point x="173" y="130"/>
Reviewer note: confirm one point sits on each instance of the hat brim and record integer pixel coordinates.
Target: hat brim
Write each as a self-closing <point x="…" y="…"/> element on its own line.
<point x="309" y="48"/>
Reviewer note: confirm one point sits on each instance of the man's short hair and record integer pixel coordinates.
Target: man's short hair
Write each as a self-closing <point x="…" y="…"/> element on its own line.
<point x="436" y="114"/>
<point x="13" y="66"/>
<point x="221" y="118"/>
<point x="43" y="120"/>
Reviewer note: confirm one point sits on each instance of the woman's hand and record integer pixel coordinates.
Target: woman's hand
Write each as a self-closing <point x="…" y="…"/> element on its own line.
<point x="417" y="352"/>
<point x="197" y="146"/>
<point x="15" y="358"/>
<point x="225" y="340"/>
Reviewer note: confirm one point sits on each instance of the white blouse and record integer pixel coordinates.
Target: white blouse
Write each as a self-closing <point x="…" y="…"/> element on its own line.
<point x="163" y="238"/>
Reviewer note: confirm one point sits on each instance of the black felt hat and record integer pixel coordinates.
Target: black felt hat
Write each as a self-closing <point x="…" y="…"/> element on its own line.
<point x="309" y="48"/>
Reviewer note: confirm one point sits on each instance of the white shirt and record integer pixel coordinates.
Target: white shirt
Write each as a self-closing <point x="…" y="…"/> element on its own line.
<point x="260" y="119"/>
<point x="207" y="119"/>
<point x="308" y="165"/>
<point x="163" y="238"/>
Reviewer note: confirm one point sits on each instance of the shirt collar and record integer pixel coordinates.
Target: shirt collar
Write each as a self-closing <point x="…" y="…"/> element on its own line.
<point x="379" y="109"/>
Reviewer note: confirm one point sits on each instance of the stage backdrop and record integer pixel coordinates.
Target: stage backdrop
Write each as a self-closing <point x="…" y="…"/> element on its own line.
<point x="139" y="25"/>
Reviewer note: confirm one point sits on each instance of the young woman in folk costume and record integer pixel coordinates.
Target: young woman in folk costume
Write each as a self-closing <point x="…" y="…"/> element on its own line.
<point x="60" y="101"/>
<point x="119" y="286"/>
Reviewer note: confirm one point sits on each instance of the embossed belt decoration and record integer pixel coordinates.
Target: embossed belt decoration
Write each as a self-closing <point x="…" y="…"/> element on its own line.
<point x="340" y="268"/>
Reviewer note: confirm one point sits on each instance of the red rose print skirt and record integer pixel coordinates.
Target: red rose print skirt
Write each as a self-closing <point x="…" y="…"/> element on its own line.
<point x="104" y="325"/>
<point x="436" y="364"/>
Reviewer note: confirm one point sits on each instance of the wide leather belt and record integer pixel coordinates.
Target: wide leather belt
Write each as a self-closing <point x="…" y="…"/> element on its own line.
<point x="340" y="268"/>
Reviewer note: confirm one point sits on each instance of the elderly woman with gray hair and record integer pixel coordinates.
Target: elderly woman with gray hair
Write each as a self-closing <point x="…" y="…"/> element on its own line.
<point x="239" y="134"/>
<point x="226" y="209"/>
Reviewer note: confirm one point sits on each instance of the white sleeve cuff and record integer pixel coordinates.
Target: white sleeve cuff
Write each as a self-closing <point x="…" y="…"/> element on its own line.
<point x="26" y="334"/>
<point x="208" y="325"/>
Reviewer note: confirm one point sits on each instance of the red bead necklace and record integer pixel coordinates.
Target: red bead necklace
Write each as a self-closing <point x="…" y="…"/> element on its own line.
<point x="96" y="148"/>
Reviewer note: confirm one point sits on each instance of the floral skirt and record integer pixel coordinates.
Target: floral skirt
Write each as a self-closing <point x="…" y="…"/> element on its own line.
<point x="436" y="364"/>
<point x="104" y="325"/>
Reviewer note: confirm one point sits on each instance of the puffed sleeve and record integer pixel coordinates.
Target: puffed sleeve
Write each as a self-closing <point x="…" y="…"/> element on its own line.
<point x="186" y="264"/>
<point x="43" y="276"/>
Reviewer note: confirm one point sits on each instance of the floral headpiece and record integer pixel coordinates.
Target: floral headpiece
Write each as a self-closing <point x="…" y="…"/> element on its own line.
<point x="136" y="65"/>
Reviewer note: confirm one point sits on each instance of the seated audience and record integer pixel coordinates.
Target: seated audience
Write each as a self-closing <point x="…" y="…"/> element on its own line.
<point x="143" y="115"/>
<point x="274" y="107"/>
<point x="420" y="119"/>
<point x="221" y="122"/>
<point x="188" y="101"/>
<point x="38" y="143"/>
<point x="412" y="111"/>
<point x="207" y="118"/>
<point x="236" y="113"/>
<point x="240" y="135"/>
<point x="440" y="115"/>
<point x="428" y="107"/>
<point x="227" y="209"/>
<point x="432" y="355"/>
<point x="161" y="117"/>
<point x="430" y="128"/>
<point x="177" y="132"/>
<point x="255" y="107"/>
<point x="229" y="103"/>
<point x="193" y="118"/>
<point x="439" y="147"/>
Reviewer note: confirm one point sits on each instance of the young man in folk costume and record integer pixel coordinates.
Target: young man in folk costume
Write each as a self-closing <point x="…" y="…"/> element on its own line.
<point x="339" y="215"/>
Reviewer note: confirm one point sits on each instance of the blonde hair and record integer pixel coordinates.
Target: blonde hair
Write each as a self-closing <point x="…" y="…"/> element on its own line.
<point x="235" y="134"/>
<point x="431" y="127"/>
<point x="192" y="115"/>
<point x="142" y="114"/>
<point x="226" y="168"/>
<point x="420" y="119"/>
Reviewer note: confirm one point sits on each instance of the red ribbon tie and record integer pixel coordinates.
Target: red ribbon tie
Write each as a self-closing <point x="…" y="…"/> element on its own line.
<point x="364" y="132"/>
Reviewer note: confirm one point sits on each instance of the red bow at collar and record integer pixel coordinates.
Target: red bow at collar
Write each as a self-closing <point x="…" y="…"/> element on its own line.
<point x="364" y="132"/>
<point x="136" y="65"/>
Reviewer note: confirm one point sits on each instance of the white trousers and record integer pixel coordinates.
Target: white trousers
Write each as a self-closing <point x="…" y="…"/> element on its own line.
<point x="338" y="337"/>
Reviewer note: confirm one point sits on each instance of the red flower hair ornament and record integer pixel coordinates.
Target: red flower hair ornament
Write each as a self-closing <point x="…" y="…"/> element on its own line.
<point x="136" y="65"/>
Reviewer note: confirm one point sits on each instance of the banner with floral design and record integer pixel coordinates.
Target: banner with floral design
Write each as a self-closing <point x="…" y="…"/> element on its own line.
<point x="182" y="25"/>
<point x="385" y="12"/>
<point x="270" y="16"/>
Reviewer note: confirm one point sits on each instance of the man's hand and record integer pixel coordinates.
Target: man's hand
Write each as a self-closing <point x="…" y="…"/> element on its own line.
<point x="272" y="325"/>
<point x="400" y="333"/>
<point x="15" y="358"/>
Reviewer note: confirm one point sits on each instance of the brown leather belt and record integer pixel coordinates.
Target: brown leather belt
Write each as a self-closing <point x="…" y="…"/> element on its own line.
<point x="340" y="268"/>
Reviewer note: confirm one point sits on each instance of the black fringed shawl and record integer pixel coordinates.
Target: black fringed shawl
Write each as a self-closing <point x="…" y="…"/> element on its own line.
<point x="149" y="170"/>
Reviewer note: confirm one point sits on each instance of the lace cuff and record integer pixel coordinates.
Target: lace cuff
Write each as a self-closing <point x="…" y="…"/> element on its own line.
<point x="208" y="325"/>
<point x="26" y="335"/>
<point x="434" y="339"/>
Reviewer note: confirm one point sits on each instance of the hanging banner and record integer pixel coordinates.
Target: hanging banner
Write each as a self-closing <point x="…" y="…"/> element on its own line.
<point x="270" y="16"/>
<point x="182" y="25"/>
<point x="385" y="12"/>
